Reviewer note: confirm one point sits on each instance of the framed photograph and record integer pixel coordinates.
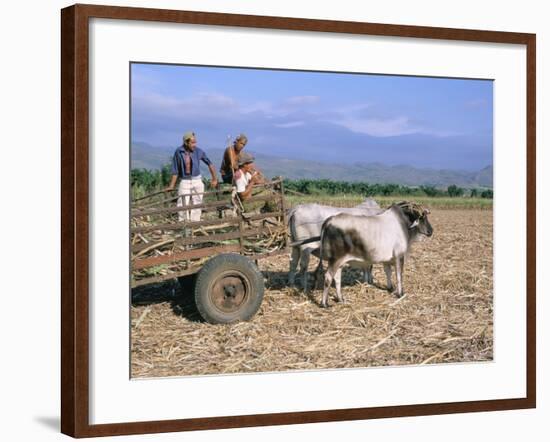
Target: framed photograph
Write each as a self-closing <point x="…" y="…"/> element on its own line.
<point x="270" y="221"/>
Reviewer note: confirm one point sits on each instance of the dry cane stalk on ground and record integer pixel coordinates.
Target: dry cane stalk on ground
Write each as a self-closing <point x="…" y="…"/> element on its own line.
<point x="446" y="315"/>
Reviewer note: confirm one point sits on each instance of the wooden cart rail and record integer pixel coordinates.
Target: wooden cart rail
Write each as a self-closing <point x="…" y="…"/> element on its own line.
<point x="269" y="184"/>
<point x="190" y="254"/>
<point x="205" y="207"/>
<point x="229" y="221"/>
<point x="202" y="239"/>
<point x="172" y="199"/>
<point x="162" y="247"/>
<point x="191" y="271"/>
<point x="138" y="212"/>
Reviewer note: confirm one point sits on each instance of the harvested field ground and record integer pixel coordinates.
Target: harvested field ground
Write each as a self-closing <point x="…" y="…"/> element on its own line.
<point x="445" y="316"/>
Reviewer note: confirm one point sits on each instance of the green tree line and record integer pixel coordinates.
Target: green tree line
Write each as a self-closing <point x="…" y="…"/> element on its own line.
<point x="331" y="187"/>
<point x="145" y="181"/>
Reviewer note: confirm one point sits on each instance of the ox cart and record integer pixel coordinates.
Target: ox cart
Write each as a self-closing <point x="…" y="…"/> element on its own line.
<point x="222" y="249"/>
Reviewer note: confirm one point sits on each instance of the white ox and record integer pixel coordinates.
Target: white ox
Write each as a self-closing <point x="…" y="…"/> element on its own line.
<point x="365" y="240"/>
<point x="305" y="222"/>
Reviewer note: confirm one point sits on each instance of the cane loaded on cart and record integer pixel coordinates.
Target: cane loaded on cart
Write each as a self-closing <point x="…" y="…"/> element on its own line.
<point x="222" y="248"/>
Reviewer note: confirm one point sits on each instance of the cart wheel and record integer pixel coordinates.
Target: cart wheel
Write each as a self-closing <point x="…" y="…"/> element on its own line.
<point x="229" y="288"/>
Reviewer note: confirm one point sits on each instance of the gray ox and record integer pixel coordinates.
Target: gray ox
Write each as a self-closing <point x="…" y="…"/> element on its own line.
<point x="305" y="222"/>
<point x="366" y="240"/>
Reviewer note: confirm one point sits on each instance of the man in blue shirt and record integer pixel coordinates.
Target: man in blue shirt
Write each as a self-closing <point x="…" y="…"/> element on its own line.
<point x="185" y="165"/>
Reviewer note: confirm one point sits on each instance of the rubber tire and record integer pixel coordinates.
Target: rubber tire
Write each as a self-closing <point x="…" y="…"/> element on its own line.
<point x="206" y="277"/>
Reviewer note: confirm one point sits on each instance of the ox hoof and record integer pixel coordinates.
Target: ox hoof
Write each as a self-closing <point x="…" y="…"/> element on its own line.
<point x="391" y="289"/>
<point x="398" y="294"/>
<point x="324" y="304"/>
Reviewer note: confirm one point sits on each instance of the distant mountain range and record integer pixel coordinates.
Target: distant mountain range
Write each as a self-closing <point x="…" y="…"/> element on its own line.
<point x="149" y="157"/>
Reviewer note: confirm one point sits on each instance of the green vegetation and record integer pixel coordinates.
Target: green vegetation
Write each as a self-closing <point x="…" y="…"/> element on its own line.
<point x="455" y="191"/>
<point x="144" y="181"/>
<point x="488" y="193"/>
<point x="343" y="193"/>
<point x="330" y="187"/>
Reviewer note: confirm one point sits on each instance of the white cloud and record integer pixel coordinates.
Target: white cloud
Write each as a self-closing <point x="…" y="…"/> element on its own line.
<point x="206" y="104"/>
<point x="290" y="124"/>
<point x="143" y="80"/>
<point x="291" y="112"/>
<point x="223" y="107"/>
<point x="285" y="107"/>
<point x="390" y="127"/>
<point x="354" y="108"/>
<point x="260" y="106"/>
<point x="380" y="127"/>
<point x="302" y="100"/>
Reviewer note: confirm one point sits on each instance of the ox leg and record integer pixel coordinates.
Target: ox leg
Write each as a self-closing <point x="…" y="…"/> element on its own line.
<point x="317" y="273"/>
<point x="337" y="283"/>
<point x="368" y="275"/>
<point x="294" y="259"/>
<point x="328" y="281"/>
<point x="387" y="270"/>
<point x="304" y="264"/>
<point x="399" y="262"/>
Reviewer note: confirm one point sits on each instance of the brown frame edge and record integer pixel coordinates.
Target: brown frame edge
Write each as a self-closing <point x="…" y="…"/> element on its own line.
<point x="74" y="220"/>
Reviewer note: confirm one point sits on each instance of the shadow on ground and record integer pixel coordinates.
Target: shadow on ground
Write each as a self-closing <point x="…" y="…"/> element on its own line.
<point x="177" y="292"/>
<point x="279" y="281"/>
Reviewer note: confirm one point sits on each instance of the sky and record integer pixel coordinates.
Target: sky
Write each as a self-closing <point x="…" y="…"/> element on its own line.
<point x="331" y="117"/>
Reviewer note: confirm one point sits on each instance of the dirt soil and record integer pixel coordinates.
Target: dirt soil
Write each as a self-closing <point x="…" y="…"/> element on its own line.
<point x="445" y="316"/>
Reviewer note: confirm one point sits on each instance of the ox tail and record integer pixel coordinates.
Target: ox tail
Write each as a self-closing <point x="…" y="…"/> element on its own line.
<point x="292" y="225"/>
<point x="319" y="269"/>
<point x="304" y="241"/>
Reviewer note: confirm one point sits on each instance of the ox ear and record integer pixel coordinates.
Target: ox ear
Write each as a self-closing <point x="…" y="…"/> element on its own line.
<point x="414" y="224"/>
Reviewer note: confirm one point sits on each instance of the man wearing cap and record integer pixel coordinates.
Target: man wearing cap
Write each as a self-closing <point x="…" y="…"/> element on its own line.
<point x="246" y="176"/>
<point x="230" y="158"/>
<point x="185" y="165"/>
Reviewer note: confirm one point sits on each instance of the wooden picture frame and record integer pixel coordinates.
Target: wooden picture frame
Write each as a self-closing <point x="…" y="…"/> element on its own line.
<point x="75" y="219"/>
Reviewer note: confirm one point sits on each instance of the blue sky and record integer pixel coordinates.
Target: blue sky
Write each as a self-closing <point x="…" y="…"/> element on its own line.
<point x="332" y="117"/>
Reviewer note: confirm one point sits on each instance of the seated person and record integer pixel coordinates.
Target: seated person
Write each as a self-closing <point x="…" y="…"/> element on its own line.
<point x="246" y="176"/>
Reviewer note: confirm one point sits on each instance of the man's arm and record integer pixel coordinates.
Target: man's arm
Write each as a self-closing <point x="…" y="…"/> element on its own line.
<point x="172" y="184"/>
<point x="232" y="159"/>
<point x="206" y="160"/>
<point x="229" y="159"/>
<point x="174" y="178"/>
<point x="214" y="181"/>
<point x="259" y="177"/>
<point x="248" y="190"/>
